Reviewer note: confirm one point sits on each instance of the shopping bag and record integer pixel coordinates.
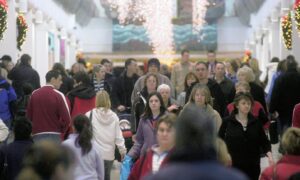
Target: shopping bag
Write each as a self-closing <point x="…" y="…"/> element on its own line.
<point x="126" y="167"/>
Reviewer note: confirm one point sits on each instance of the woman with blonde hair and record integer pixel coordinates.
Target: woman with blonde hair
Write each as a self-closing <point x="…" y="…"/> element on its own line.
<point x="289" y="164"/>
<point x="246" y="74"/>
<point x="254" y="65"/>
<point x="106" y="130"/>
<point x="201" y="96"/>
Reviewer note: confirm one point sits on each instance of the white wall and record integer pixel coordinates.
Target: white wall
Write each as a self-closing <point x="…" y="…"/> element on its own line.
<point x="97" y="36"/>
<point x="8" y="44"/>
<point x="231" y="34"/>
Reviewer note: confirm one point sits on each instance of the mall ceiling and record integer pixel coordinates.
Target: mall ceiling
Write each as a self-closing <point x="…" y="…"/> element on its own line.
<point x="85" y="10"/>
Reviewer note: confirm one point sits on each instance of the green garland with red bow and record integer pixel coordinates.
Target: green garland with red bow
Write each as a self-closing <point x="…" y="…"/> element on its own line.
<point x="297" y="14"/>
<point x="22" y="29"/>
<point x="286" y="27"/>
<point x="3" y="17"/>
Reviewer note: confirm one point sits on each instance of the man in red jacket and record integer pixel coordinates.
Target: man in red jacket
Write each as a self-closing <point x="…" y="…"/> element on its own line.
<point x="48" y="110"/>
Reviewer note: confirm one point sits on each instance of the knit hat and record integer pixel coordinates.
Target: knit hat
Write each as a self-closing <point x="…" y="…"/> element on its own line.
<point x="155" y="62"/>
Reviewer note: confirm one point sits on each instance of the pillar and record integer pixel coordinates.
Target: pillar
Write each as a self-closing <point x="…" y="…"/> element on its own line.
<point x="275" y="34"/>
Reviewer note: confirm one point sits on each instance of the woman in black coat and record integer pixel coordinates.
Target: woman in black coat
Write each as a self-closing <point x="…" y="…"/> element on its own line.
<point x="151" y="83"/>
<point x="245" y="137"/>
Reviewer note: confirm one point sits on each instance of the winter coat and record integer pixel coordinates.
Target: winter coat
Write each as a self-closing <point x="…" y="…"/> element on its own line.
<point x="215" y="116"/>
<point x="7" y="97"/>
<point x="144" y="165"/>
<point x="122" y="89"/>
<point x="67" y="84"/>
<point x="14" y="153"/>
<point x="216" y="93"/>
<point x="228" y="89"/>
<point x="258" y="94"/>
<point x="283" y="169"/>
<point x="22" y="74"/>
<point x="81" y="100"/>
<point x="138" y="108"/>
<point x="257" y="111"/>
<point x="245" y="145"/>
<point x="296" y="116"/>
<point x="145" y="137"/>
<point x="286" y="95"/>
<point x="107" y="132"/>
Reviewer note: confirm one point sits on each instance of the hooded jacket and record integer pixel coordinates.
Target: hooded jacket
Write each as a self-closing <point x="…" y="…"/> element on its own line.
<point x="107" y="132"/>
<point x="7" y="96"/>
<point x="81" y="99"/>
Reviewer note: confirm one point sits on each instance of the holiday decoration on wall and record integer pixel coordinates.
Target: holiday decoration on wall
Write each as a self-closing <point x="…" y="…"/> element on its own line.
<point x="21" y="31"/>
<point x="286" y="28"/>
<point x="3" y="17"/>
<point x="297" y="14"/>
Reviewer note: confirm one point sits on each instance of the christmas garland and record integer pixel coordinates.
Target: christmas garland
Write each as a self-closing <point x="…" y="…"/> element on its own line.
<point x="22" y="29"/>
<point x="286" y="27"/>
<point x="297" y="14"/>
<point x="3" y="17"/>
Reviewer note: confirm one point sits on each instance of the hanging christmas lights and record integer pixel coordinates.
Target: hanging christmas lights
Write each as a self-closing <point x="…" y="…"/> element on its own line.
<point x="21" y="30"/>
<point x="297" y="15"/>
<point x="156" y="17"/>
<point x="123" y="8"/>
<point x="3" y="17"/>
<point x="199" y="12"/>
<point x="286" y="27"/>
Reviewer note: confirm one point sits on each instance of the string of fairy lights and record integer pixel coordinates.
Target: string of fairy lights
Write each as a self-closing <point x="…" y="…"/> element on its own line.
<point x="199" y="12"/>
<point x="3" y="18"/>
<point x="155" y="16"/>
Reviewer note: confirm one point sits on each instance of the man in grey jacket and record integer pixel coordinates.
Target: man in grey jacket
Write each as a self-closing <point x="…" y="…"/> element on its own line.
<point x="153" y="67"/>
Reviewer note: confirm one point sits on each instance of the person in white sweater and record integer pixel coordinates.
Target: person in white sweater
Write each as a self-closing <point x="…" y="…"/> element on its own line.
<point x="89" y="163"/>
<point x="106" y="130"/>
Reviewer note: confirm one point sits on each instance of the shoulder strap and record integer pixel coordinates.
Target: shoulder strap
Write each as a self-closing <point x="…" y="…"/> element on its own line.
<point x="91" y="115"/>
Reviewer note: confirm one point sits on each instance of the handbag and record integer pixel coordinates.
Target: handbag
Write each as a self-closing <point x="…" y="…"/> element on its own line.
<point x="273" y="131"/>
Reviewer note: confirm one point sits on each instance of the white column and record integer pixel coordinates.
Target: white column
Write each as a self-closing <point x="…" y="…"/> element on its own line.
<point x="284" y="11"/>
<point x="252" y="43"/>
<point x="8" y="44"/>
<point x="53" y="29"/>
<point x="275" y="35"/>
<point x="258" y="55"/>
<point x="72" y="51"/>
<point x="41" y="53"/>
<point x="265" y="57"/>
<point x="68" y="62"/>
<point x="28" y="46"/>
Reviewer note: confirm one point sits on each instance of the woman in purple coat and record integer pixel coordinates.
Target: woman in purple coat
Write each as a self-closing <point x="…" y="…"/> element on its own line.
<point x="145" y="136"/>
